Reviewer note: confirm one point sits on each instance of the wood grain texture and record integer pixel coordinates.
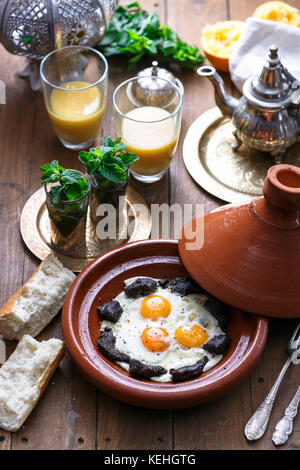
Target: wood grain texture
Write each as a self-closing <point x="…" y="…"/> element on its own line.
<point x="122" y="426"/>
<point x="16" y="144"/>
<point x="72" y="414"/>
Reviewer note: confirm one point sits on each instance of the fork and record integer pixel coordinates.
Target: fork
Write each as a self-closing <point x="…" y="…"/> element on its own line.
<point x="284" y="427"/>
<point x="257" y="424"/>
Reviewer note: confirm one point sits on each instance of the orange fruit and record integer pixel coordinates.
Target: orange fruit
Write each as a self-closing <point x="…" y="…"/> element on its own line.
<point x="278" y="11"/>
<point x="218" y="41"/>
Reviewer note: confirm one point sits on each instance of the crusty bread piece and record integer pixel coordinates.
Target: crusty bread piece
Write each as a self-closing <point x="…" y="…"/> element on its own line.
<point x="38" y="300"/>
<point x="24" y="377"/>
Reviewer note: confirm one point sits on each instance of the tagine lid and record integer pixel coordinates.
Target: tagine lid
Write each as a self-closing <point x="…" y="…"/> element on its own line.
<point x="250" y="256"/>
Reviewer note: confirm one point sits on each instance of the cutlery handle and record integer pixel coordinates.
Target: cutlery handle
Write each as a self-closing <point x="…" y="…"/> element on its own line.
<point x="285" y="426"/>
<point x="257" y="424"/>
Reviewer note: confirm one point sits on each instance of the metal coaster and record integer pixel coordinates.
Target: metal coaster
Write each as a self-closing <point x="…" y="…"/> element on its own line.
<point x="216" y="167"/>
<point x="35" y="230"/>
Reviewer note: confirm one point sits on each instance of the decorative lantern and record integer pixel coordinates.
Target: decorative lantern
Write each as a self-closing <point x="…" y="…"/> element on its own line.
<point x="33" y="28"/>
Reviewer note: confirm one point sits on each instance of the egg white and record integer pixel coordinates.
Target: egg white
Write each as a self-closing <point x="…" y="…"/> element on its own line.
<point x="184" y="310"/>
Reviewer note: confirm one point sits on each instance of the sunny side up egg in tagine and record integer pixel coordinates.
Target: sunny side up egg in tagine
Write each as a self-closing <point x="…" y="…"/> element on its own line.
<point x="156" y="330"/>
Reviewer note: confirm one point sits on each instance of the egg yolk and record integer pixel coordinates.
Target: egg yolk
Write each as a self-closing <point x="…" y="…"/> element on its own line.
<point x="191" y="336"/>
<point x="155" y="339"/>
<point x="155" y="306"/>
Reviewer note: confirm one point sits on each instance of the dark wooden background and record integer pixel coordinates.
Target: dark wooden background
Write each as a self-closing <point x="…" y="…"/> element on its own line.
<point x="72" y="414"/>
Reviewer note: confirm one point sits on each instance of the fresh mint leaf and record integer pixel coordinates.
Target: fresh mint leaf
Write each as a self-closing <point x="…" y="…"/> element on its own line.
<point x="118" y="161"/>
<point x="106" y="151"/>
<point x="96" y="151"/>
<point x="71" y="185"/>
<point x="76" y="190"/>
<point x="54" y="165"/>
<point x="93" y="165"/>
<point x="134" y="32"/>
<point x="45" y="167"/>
<point x="119" y="146"/>
<point x="133" y="5"/>
<point x="56" y="193"/>
<point x="110" y="160"/>
<point x="50" y="177"/>
<point x="113" y="173"/>
<point x="90" y="160"/>
<point x="129" y="158"/>
<point x="84" y="157"/>
<point x="108" y="142"/>
<point x="70" y="176"/>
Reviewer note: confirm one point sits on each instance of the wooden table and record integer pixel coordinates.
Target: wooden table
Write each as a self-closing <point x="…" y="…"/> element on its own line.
<point x="72" y="414"/>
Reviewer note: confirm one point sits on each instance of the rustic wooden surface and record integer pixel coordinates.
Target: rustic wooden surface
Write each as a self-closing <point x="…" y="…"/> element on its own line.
<point x="72" y="414"/>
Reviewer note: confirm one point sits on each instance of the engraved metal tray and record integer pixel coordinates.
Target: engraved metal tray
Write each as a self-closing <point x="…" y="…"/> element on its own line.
<point x="234" y="176"/>
<point x="35" y="230"/>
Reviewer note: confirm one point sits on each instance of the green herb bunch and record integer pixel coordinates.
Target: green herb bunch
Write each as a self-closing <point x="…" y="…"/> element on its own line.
<point x="136" y="33"/>
<point x="71" y="186"/>
<point x="110" y="160"/>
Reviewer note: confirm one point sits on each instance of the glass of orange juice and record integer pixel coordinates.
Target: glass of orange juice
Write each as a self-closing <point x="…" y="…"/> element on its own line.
<point x="74" y="80"/>
<point x="149" y="125"/>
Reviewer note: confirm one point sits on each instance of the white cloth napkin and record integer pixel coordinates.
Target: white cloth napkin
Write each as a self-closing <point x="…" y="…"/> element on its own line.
<point x="258" y="35"/>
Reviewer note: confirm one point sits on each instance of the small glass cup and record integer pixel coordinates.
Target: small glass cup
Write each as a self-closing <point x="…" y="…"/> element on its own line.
<point x="74" y="80"/>
<point x="105" y="192"/>
<point x="68" y="220"/>
<point x="150" y="131"/>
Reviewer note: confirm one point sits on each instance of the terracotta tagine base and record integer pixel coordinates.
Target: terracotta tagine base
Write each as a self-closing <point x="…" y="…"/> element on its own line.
<point x="102" y="280"/>
<point x="251" y="253"/>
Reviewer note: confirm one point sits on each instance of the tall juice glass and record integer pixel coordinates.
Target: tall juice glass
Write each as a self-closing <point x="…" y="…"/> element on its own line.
<point x="149" y="127"/>
<point x="74" y="80"/>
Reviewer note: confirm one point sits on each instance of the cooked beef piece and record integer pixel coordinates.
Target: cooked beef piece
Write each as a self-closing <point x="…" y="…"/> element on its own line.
<point x="145" y="371"/>
<point x="218" y="344"/>
<point x="143" y="286"/>
<point x="106" y="345"/>
<point x="188" y="372"/>
<point x="110" y="311"/>
<point x="184" y="286"/>
<point x="163" y="283"/>
<point x="217" y="309"/>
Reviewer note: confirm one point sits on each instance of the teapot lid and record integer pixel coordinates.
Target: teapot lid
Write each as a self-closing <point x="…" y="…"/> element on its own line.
<point x="151" y="92"/>
<point x="275" y="87"/>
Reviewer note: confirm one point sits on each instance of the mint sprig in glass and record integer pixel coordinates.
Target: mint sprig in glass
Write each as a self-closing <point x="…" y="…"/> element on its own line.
<point x="108" y="167"/>
<point x="67" y="199"/>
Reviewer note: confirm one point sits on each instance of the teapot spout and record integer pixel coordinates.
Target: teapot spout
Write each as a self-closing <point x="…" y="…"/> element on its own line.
<point x="224" y="101"/>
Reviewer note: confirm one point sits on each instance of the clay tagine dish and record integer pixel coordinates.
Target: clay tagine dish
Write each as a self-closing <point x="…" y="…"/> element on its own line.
<point x="102" y="280"/>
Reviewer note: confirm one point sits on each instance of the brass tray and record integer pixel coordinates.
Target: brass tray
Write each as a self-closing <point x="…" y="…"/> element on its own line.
<point x="35" y="230"/>
<point x="229" y="175"/>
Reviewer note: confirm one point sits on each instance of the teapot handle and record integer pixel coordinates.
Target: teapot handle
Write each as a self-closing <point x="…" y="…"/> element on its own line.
<point x="293" y="80"/>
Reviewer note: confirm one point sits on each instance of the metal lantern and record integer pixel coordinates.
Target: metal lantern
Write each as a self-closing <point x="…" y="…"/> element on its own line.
<point x="33" y="28"/>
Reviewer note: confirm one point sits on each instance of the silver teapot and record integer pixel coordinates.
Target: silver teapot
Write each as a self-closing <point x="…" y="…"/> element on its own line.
<point x="267" y="116"/>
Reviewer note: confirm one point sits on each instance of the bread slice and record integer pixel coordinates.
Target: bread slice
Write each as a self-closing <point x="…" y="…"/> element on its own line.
<point x="24" y="377"/>
<point x="37" y="301"/>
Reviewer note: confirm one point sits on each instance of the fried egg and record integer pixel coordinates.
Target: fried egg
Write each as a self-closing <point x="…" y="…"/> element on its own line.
<point x="164" y="329"/>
